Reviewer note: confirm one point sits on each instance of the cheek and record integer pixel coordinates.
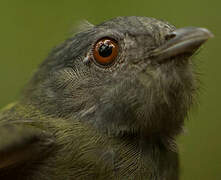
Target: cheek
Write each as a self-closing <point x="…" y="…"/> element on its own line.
<point x="145" y="79"/>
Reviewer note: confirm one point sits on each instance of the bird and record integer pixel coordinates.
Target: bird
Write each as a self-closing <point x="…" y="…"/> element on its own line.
<point x="107" y="103"/>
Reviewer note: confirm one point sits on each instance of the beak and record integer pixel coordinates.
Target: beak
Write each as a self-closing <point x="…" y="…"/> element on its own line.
<point x="182" y="41"/>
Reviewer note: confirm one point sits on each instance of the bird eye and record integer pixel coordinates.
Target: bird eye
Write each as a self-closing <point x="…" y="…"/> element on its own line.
<point x="105" y="51"/>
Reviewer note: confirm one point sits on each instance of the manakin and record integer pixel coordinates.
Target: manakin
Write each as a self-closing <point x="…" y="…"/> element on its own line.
<point x="107" y="103"/>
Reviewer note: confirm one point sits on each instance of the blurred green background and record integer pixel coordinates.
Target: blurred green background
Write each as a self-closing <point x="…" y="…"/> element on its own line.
<point x="29" y="29"/>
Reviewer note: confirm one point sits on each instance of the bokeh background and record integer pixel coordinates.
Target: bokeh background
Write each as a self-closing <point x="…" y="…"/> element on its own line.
<point x="29" y="29"/>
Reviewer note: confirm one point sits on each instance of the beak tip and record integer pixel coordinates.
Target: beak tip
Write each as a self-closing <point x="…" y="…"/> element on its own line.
<point x="207" y="32"/>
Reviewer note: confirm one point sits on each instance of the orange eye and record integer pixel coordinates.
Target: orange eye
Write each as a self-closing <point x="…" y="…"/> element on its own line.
<point x="105" y="51"/>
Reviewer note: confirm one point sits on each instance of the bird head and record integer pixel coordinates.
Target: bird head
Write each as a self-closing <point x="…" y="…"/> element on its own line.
<point x="126" y="75"/>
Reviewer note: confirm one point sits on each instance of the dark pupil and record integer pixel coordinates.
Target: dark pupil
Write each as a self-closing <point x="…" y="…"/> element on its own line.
<point x="105" y="50"/>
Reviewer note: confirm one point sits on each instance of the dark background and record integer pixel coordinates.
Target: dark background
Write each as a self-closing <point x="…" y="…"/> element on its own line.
<point x="29" y="29"/>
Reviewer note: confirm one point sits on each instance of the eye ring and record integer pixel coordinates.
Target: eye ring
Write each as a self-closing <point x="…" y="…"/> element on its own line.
<point x="105" y="51"/>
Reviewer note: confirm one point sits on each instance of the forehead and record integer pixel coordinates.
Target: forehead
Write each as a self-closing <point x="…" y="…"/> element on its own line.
<point x="138" y="25"/>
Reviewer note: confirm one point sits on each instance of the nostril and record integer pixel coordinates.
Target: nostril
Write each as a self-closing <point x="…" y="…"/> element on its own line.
<point x="170" y="36"/>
